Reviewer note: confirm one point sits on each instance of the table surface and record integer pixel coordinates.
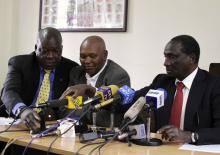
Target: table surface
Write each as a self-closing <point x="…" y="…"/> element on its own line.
<point x="70" y="145"/>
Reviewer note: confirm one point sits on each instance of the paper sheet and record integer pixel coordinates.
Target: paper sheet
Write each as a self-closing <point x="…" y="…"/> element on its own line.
<point x="7" y="121"/>
<point x="201" y="148"/>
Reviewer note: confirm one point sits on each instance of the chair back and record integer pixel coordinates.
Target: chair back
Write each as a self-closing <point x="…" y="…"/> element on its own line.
<point x="214" y="68"/>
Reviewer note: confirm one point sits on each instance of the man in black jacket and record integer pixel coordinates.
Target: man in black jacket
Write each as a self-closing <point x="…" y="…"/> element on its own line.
<point x="197" y="119"/>
<point x="26" y="75"/>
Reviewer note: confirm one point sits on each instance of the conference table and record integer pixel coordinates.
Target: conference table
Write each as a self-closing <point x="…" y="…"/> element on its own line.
<point x="67" y="146"/>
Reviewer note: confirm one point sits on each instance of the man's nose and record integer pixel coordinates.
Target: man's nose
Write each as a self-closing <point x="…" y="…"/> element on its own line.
<point x="166" y="62"/>
<point x="88" y="60"/>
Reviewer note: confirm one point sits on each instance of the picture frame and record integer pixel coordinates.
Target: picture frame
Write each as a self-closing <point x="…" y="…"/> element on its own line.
<point x="84" y="15"/>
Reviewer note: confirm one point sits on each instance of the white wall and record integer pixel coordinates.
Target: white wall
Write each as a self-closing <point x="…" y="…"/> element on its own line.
<point x="151" y="24"/>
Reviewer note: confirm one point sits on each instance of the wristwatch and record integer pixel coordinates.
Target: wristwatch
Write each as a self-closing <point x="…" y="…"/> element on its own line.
<point x="194" y="137"/>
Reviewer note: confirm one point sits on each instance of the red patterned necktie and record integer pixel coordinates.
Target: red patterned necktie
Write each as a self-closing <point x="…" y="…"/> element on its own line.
<point x="177" y="105"/>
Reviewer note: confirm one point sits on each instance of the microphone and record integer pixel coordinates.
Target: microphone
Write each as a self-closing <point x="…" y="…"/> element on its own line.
<point x="69" y="103"/>
<point x="90" y="136"/>
<point x="127" y="94"/>
<point x="155" y="98"/>
<point x="102" y="94"/>
<point x="132" y="113"/>
<point x="135" y="132"/>
<point x="116" y="98"/>
<point x="124" y="96"/>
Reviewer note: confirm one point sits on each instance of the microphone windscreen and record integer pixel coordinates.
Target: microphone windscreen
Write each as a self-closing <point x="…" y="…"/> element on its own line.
<point x="164" y="91"/>
<point x="74" y="103"/>
<point x="106" y="92"/>
<point x="155" y="98"/>
<point x="127" y="94"/>
<point x="135" y="109"/>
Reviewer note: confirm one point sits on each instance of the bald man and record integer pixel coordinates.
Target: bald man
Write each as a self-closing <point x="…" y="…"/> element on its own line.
<point x="96" y="70"/>
<point x="26" y="75"/>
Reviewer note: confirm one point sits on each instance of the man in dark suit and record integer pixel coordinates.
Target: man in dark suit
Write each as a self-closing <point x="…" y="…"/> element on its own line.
<point x="96" y="70"/>
<point x="198" y="118"/>
<point x="26" y="75"/>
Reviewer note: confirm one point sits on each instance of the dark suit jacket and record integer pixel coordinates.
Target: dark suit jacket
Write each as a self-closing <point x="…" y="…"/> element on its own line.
<point x="203" y="105"/>
<point x="112" y="74"/>
<point x="23" y="76"/>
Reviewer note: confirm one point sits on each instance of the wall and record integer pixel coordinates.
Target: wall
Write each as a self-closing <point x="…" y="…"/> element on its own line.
<point x="151" y="24"/>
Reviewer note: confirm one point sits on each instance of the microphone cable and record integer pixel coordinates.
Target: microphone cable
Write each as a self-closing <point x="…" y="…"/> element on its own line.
<point x="99" y="147"/>
<point x="82" y="115"/>
<point x="88" y="144"/>
<point x="11" y="141"/>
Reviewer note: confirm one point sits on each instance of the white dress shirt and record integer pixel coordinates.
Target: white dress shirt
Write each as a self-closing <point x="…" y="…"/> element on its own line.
<point x="92" y="80"/>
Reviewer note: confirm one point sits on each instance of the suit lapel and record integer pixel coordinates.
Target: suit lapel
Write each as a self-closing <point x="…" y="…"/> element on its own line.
<point x="194" y="100"/>
<point x="58" y="82"/>
<point x="34" y="75"/>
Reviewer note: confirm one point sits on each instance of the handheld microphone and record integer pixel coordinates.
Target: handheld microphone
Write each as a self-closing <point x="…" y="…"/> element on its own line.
<point x="116" y="98"/>
<point x="102" y="94"/>
<point x="69" y="103"/>
<point x="133" y="111"/>
<point x="135" y="132"/>
<point x="90" y="136"/>
<point x="127" y="94"/>
<point x="155" y="98"/>
<point x="124" y="96"/>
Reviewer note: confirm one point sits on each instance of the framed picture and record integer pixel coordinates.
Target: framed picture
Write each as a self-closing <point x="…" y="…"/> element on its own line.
<point x="84" y="15"/>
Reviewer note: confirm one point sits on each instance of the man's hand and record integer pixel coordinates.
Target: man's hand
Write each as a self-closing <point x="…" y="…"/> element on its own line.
<point x="79" y="90"/>
<point x="31" y="119"/>
<point x="171" y="133"/>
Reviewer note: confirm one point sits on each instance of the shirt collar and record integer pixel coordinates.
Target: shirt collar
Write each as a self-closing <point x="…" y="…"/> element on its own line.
<point x="189" y="79"/>
<point x="42" y="70"/>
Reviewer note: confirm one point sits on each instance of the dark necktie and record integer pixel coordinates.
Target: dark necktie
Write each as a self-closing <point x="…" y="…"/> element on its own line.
<point x="177" y="105"/>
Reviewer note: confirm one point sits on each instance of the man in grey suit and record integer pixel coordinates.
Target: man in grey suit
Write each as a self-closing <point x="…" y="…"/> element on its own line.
<point x="96" y="70"/>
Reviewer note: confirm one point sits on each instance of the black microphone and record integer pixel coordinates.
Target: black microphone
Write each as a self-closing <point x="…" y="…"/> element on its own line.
<point x="53" y="103"/>
<point x="90" y="136"/>
<point x="69" y="103"/>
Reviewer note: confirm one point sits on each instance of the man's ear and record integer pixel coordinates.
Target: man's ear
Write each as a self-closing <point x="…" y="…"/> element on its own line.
<point x="105" y="54"/>
<point x="193" y="58"/>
